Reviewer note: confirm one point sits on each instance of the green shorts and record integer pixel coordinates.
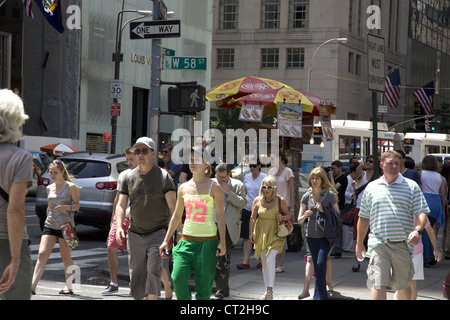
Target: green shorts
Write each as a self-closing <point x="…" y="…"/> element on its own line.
<point x="391" y="266"/>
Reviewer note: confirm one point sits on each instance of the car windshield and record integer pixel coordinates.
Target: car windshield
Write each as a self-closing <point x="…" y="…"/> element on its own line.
<point x="88" y="169"/>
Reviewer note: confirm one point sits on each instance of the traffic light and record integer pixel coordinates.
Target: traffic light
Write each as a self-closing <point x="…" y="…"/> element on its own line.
<point x="186" y="98"/>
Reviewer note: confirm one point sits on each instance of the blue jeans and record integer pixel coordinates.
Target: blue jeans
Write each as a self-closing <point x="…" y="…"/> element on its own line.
<point x="320" y="248"/>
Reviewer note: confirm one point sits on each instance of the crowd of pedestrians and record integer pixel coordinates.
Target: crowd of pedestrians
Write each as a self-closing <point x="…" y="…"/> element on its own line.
<point x="193" y="218"/>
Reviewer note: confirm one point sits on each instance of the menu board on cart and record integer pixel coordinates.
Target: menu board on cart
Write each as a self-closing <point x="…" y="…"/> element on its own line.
<point x="251" y="113"/>
<point x="290" y="120"/>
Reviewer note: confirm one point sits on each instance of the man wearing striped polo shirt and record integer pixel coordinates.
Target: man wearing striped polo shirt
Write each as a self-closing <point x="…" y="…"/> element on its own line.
<point x="388" y="207"/>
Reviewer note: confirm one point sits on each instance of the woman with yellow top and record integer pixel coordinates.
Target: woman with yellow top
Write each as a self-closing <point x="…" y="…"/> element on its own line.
<point x="199" y="247"/>
<point x="267" y="211"/>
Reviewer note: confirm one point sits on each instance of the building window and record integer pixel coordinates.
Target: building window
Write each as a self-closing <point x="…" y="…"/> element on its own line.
<point x="269" y="58"/>
<point x="270" y="14"/>
<point x="358" y="65"/>
<point x="229" y="14"/>
<point x="295" y="58"/>
<point x="299" y="16"/>
<point x="351" y="62"/>
<point x="225" y="58"/>
<point x="5" y="60"/>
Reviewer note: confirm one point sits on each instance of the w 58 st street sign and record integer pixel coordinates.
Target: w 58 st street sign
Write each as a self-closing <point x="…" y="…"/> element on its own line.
<point x="155" y="29"/>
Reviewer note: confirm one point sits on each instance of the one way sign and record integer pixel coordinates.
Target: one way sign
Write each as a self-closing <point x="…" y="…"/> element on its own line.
<point x="155" y="29"/>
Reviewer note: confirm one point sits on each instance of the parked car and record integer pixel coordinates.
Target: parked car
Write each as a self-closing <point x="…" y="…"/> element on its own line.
<point x="40" y="166"/>
<point x="96" y="176"/>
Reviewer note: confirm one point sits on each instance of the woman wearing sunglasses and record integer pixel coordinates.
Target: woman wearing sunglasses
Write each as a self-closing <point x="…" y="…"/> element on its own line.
<point x="267" y="211"/>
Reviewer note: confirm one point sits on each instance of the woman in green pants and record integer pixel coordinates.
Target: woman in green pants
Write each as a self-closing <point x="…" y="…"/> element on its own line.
<point x="199" y="247"/>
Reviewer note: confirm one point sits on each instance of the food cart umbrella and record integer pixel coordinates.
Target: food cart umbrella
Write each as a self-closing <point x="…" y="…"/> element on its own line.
<point x="58" y="148"/>
<point x="226" y="94"/>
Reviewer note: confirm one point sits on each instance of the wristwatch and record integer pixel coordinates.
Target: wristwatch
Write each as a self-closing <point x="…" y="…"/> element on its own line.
<point x="419" y="231"/>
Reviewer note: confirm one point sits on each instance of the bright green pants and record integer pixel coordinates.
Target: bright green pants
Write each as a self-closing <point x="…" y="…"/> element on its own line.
<point x="199" y="257"/>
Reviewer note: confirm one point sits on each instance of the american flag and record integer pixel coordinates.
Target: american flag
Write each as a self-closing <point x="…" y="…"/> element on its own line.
<point x="29" y="8"/>
<point x="392" y="94"/>
<point x="425" y="97"/>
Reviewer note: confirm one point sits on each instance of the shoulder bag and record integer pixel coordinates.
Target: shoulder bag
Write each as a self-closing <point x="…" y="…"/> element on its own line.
<point x="69" y="235"/>
<point x="285" y="228"/>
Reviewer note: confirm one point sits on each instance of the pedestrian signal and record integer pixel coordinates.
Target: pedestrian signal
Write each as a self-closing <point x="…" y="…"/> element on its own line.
<point x="192" y="98"/>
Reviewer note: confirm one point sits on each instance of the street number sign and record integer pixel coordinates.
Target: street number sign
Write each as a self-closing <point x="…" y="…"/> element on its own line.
<point x="186" y="63"/>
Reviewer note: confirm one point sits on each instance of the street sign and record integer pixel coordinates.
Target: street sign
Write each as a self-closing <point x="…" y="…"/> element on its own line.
<point x="375" y="62"/>
<point x="186" y="63"/>
<point x="382" y="109"/>
<point x="167" y="52"/>
<point x="115" y="89"/>
<point x="115" y="109"/>
<point x="155" y="29"/>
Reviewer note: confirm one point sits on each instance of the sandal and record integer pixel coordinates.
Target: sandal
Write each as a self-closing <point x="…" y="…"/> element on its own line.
<point x="279" y="269"/>
<point x="267" y="296"/>
<point x="303" y="296"/>
<point x="64" y="291"/>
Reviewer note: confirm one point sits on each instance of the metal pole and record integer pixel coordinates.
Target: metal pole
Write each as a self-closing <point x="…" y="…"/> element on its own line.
<point x="376" y="162"/>
<point x="155" y="83"/>
<point x="117" y="59"/>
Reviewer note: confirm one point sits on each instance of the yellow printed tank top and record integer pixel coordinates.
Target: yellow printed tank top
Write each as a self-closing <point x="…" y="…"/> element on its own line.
<point x="199" y="220"/>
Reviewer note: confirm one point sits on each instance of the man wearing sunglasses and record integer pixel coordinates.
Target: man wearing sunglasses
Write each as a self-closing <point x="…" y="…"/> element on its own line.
<point x="152" y="201"/>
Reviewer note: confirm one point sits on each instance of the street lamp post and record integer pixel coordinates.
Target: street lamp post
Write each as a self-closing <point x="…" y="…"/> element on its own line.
<point x="344" y="40"/>
<point x="117" y="58"/>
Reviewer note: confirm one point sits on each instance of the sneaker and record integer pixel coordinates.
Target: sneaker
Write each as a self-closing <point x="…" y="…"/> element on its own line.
<point x="111" y="289"/>
<point x="243" y="266"/>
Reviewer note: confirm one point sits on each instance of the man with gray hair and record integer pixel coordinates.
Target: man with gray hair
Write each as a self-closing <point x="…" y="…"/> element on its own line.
<point x="235" y="200"/>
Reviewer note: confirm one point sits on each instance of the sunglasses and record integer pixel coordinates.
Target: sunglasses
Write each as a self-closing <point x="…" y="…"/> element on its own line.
<point x="164" y="151"/>
<point x="138" y="151"/>
<point x="253" y="166"/>
<point x="266" y="187"/>
<point x="370" y="161"/>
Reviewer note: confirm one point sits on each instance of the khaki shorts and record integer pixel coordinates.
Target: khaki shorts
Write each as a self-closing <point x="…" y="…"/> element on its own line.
<point x="391" y="266"/>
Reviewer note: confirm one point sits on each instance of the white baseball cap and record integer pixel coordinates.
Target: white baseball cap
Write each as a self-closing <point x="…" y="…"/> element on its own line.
<point x="147" y="141"/>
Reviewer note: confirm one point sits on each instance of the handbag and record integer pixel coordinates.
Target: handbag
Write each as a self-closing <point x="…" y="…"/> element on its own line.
<point x="285" y="228"/>
<point x="70" y="235"/>
<point x="347" y="214"/>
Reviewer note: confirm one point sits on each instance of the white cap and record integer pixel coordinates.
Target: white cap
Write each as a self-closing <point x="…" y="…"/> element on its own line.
<point x="147" y="141"/>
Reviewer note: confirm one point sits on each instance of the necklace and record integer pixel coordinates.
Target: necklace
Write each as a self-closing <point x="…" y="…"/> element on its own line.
<point x="268" y="201"/>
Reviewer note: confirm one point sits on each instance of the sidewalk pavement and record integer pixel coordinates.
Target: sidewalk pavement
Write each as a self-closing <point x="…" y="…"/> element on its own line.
<point x="348" y="285"/>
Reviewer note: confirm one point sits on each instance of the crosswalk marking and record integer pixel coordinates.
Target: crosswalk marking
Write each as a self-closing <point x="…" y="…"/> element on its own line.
<point x="83" y="258"/>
